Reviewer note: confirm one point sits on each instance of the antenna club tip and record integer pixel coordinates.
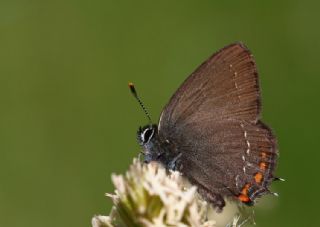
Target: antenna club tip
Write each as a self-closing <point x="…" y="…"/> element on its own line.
<point x="132" y="89"/>
<point x="134" y="93"/>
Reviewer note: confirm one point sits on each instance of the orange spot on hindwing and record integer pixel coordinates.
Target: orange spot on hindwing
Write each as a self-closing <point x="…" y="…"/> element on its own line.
<point x="263" y="165"/>
<point x="263" y="155"/>
<point x="258" y="177"/>
<point x="245" y="189"/>
<point x="243" y="197"/>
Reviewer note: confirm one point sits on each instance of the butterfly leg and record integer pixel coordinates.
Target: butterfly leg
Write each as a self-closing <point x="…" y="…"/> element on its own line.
<point x="174" y="164"/>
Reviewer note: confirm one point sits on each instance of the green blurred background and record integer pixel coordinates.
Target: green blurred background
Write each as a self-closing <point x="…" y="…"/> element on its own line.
<point x="67" y="119"/>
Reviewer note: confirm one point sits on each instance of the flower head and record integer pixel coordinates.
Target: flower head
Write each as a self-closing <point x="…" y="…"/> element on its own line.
<point x="148" y="196"/>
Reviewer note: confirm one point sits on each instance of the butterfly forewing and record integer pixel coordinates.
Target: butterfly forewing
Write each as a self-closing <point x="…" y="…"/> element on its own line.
<point x="224" y="86"/>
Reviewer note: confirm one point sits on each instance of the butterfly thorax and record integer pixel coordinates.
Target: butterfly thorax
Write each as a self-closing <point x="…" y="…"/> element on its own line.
<point x="156" y="148"/>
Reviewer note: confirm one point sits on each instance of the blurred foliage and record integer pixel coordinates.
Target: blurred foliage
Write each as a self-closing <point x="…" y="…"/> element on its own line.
<point x="68" y="120"/>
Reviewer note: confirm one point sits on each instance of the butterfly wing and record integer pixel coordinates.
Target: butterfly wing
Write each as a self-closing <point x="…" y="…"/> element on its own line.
<point x="213" y="121"/>
<point x="226" y="86"/>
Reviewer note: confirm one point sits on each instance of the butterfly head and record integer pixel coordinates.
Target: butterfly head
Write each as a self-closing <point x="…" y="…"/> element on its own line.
<point x="147" y="138"/>
<point x="146" y="134"/>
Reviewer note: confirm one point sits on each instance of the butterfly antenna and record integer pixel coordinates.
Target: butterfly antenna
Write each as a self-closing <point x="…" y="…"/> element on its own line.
<point x="135" y="94"/>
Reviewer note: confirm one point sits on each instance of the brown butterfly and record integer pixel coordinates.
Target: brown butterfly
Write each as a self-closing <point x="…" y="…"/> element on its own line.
<point x="211" y="130"/>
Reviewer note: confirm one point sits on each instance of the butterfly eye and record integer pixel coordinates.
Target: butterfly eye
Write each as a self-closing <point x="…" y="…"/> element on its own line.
<point x="146" y="135"/>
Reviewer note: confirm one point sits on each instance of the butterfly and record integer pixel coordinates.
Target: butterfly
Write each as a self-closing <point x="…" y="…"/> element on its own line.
<point x="211" y="131"/>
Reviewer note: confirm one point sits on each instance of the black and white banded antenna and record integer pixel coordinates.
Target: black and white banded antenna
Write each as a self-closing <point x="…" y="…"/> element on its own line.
<point x="135" y="94"/>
